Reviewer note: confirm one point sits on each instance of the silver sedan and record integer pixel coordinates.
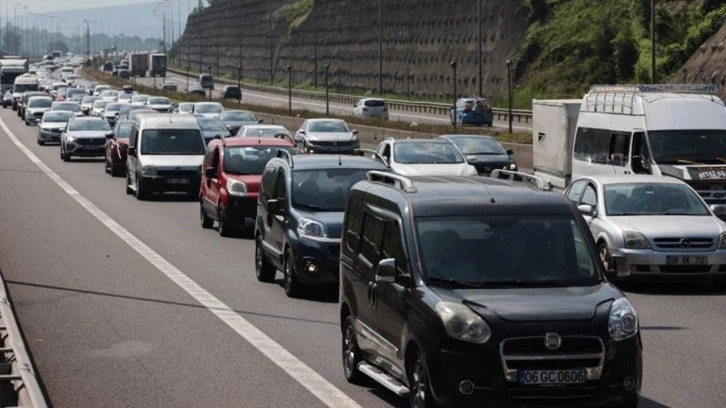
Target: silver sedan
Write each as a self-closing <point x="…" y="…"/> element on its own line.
<point x="659" y="226"/>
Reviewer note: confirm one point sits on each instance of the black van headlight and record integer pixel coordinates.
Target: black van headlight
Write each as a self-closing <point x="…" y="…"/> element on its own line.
<point x="462" y="323"/>
<point x="623" y="321"/>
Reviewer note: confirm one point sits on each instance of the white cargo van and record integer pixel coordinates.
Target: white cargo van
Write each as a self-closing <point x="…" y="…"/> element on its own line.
<point x="165" y="154"/>
<point x="670" y="130"/>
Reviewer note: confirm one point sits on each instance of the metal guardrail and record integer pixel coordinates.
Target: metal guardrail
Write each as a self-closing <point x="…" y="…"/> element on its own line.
<point x="22" y="374"/>
<point x="519" y="116"/>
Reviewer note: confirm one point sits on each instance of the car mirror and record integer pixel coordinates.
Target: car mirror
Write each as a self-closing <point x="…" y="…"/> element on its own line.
<point x="210" y="172"/>
<point x="355" y="132"/>
<point x="109" y="135"/>
<point x="259" y="122"/>
<point x="132" y="151"/>
<point x="386" y="271"/>
<point x="718" y="210"/>
<point x="622" y="267"/>
<point x="274" y="206"/>
<point x="510" y="152"/>
<point x="302" y="132"/>
<point x="587" y="210"/>
<point x="471" y="159"/>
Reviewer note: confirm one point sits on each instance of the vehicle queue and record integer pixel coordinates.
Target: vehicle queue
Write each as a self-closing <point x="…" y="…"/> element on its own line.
<point x="422" y="238"/>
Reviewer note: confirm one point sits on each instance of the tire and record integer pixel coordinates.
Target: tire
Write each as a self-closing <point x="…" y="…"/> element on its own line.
<point x="289" y="282"/>
<point x="64" y="156"/>
<point x="129" y="190"/>
<point x="41" y="143"/>
<point x="351" y="353"/>
<point x="264" y="271"/>
<point x="419" y="394"/>
<point x="206" y="222"/>
<point x="604" y="252"/>
<point x="141" y="195"/>
<point x="225" y="230"/>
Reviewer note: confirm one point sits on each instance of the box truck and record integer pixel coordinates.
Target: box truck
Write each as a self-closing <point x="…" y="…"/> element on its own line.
<point x="157" y="65"/>
<point x="139" y="64"/>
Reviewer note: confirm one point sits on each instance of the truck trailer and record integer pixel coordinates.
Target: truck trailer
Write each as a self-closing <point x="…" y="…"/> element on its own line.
<point x="11" y="68"/>
<point x="139" y="64"/>
<point x="157" y="65"/>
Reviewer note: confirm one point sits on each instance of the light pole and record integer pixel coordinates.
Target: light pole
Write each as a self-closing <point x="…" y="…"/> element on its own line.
<point x="509" y="93"/>
<point x="211" y="86"/>
<point x="479" y="48"/>
<point x="188" y="68"/>
<point x="327" y="94"/>
<point x="652" y="42"/>
<point x="685" y="76"/>
<point x="315" y="45"/>
<point x="453" y="66"/>
<point x="380" y="50"/>
<point x="289" y="88"/>
<point x="239" y="81"/>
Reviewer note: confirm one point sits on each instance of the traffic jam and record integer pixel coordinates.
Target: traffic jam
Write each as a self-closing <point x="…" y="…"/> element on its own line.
<point x="462" y="280"/>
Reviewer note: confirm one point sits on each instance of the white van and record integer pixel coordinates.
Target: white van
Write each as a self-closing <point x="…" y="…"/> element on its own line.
<point x="670" y="130"/>
<point x="165" y="154"/>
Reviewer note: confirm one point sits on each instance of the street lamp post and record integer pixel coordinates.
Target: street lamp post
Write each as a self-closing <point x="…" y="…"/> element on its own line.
<point x="685" y="76"/>
<point x="189" y="67"/>
<point x="315" y="45"/>
<point x="239" y="81"/>
<point x="289" y="88"/>
<point x="479" y="49"/>
<point x="455" y="119"/>
<point x="327" y="94"/>
<point x="211" y="87"/>
<point x="509" y="93"/>
<point x="652" y="42"/>
<point x="380" y="49"/>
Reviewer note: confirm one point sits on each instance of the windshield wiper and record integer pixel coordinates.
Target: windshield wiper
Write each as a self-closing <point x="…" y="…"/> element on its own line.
<point x="451" y="281"/>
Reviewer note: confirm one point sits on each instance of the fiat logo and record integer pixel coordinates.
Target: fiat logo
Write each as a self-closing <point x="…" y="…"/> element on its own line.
<point x="552" y="341"/>
<point x="685" y="243"/>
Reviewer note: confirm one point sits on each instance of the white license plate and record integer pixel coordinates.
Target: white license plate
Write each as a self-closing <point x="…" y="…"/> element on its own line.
<point x="687" y="260"/>
<point x="550" y="377"/>
<point x="177" y="181"/>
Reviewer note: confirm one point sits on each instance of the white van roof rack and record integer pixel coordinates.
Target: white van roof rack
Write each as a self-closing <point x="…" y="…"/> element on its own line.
<point x="396" y="180"/>
<point x="518" y="176"/>
<point x="708" y="89"/>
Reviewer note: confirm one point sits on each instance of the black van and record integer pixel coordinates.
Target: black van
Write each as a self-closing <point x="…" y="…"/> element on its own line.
<point x="481" y="292"/>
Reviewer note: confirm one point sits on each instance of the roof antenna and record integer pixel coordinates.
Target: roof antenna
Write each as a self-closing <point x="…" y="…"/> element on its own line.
<point x="259" y="135"/>
<point x="340" y="163"/>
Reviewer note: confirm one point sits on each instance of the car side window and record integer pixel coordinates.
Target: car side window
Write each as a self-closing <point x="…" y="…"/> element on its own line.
<point x="387" y="151"/>
<point x="352" y="224"/>
<point x="268" y="183"/>
<point x="217" y="159"/>
<point x="133" y="139"/>
<point x="619" y="146"/>
<point x="589" y="197"/>
<point x="280" y="186"/>
<point x="370" y="246"/>
<point x="576" y="190"/>
<point x="392" y="247"/>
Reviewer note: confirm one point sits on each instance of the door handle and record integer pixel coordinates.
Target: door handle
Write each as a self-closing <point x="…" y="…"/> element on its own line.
<point x="371" y="293"/>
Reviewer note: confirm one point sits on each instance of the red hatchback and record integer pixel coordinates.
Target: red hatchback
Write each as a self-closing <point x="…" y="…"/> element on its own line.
<point x="231" y="179"/>
<point x="116" y="147"/>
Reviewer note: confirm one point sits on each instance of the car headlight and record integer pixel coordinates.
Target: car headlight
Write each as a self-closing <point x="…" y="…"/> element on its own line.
<point x="635" y="240"/>
<point x="70" y="139"/>
<point x="513" y="166"/>
<point x="354" y="138"/>
<point x="722" y="244"/>
<point x="309" y="227"/>
<point x="623" y="321"/>
<point x="462" y="323"/>
<point x="149" y="171"/>
<point x="236" y="188"/>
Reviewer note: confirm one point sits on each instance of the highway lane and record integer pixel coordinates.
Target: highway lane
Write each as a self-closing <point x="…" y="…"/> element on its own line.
<point x="281" y="101"/>
<point x="107" y="328"/>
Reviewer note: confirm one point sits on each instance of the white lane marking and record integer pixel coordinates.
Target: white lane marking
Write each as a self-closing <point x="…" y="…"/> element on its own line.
<point x="306" y="376"/>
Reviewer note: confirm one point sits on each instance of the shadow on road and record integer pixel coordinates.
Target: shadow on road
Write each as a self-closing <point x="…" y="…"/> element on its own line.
<point x="672" y="288"/>
<point x="649" y="403"/>
<point x="317" y="293"/>
<point x="165" y="302"/>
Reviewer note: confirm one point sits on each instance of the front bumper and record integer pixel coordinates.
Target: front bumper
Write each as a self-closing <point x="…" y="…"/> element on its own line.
<point x="647" y="263"/>
<point x="322" y="252"/>
<point x="454" y="362"/>
<point x="85" y="150"/>
<point x="239" y="208"/>
<point x="48" y="135"/>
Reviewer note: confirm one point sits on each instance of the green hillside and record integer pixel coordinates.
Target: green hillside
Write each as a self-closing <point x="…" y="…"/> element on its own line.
<point x="572" y="44"/>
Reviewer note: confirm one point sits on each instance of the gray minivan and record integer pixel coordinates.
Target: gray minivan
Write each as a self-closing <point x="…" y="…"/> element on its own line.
<point x="165" y="154"/>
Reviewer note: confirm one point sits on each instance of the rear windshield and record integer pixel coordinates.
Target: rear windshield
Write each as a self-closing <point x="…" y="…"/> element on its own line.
<point x="265" y="132"/>
<point x="208" y="108"/>
<point x="123" y="131"/>
<point x="487" y="251"/>
<point x="57" y="116"/>
<point x="40" y="102"/>
<point x="100" y="104"/>
<point x="212" y="125"/>
<point x="158" y="101"/>
<point x="246" y="160"/>
<point x="73" y="107"/>
<point x="374" y="103"/>
<point x="241" y="116"/>
<point x="426" y="153"/>
<point x="88" y="124"/>
<point x="329" y="126"/>
<point x="113" y="107"/>
<point x="176" y="142"/>
<point x="25" y="87"/>
<point x="478" y="145"/>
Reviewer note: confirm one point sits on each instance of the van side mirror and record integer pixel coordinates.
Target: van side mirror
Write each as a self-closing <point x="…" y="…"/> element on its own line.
<point x="259" y="122"/>
<point x="587" y="210"/>
<point x="718" y="210"/>
<point x="210" y="172"/>
<point x="355" y="132"/>
<point x="622" y="267"/>
<point x="274" y="206"/>
<point x="510" y="152"/>
<point x="386" y="271"/>
<point x="132" y="151"/>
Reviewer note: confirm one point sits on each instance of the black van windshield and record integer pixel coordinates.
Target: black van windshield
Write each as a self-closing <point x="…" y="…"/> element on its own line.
<point x="688" y="146"/>
<point x="173" y="142"/>
<point x="506" y="251"/>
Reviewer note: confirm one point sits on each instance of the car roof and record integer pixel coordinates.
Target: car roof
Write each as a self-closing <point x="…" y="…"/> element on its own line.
<point x="247" y="141"/>
<point x="325" y="120"/>
<point x="88" y="119"/>
<point x="208" y="103"/>
<point x="332" y="161"/>
<point x="430" y="196"/>
<point x="461" y="136"/>
<point x="168" y="121"/>
<point x="265" y="127"/>
<point x="420" y="141"/>
<point x="631" y="179"/>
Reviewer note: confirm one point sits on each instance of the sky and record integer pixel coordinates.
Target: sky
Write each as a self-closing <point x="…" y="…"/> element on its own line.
<point x="43" y="6"/>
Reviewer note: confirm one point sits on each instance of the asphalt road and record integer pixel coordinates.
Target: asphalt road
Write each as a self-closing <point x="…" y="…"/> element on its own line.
<point x="107" y="327"/>
<point x="281" y="101"/>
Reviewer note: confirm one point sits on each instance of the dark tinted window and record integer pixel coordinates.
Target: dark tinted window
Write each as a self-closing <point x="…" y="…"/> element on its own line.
<point x="370" y="247"/>
<point x="249" y="159"/>
<point x="352" y="223"/>
<point x="478" y="145"/>
<point x="183" y="142"/>
<point x="697" y="146"/>
<point x="40" y="102"/>
<point x="374" y="103"/>
<point x="426" y="153"/>
<point x="123" y="131"/>
<point x="325" y="190"/>
<point x="212" y="125"/>
<point x="392" y="247"/>
<point x="268" y="183"/>
<point x="81" y="125"/>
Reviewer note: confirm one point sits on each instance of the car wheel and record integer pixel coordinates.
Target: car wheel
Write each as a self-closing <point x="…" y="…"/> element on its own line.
<point x="604" y="251"/>
<point x="351" y="353"/>
<point x="140" y="193"/>
<point x="223" y="227"/>
<point x="116" y="170"/>
<point x="66" y="157"/>
<point x="420" y="395"/>
<point x="264" y="271"/>
<point x="290" y="283"/>
<point x="205" y="220"/>
<point x="129" y="190"/>
<point x="40" y="142"/>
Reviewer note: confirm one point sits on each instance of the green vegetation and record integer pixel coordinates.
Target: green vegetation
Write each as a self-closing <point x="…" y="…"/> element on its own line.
<point x="572" y="44"/>
<point x="293" y="15"/>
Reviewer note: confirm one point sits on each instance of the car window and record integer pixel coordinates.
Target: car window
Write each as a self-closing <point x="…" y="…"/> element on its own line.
<point x="375" y="103"/>
<point x="208" y="108"/>
<point x="280" y="186"/>
<point x="57" y="116"/>
<point x="328" y="126"/>
<point x="178" y="142"/>
<point x="40" y="102"/>
<point x="246" y="160"/>
<point x="392" y="247"/>
<point x="124" y="131"/>
<point x="589" y="197"/>
<point x="353" y="217"/>
<point x="576" y="190"/>
<point x="426" y="153"/>
<point x="212" y="125"/>
<point x="239" y="115"/>
<point x="478" y="145"/>
<point x="629" y="199"/>
<point x="158" y="101"/>
<point x="250" y="131"/>
<point x="370" y="247"/>
<point x="268" y="183"/>
<point x="81" y="125"/>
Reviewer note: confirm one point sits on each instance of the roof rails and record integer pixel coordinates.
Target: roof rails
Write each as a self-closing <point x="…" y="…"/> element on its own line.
<point x="284" y="154"/>
<point x="709" y="89"/>
<point x="375" y="154"/>
<point x="402" y="183"/>
<point x="520" y="177"/>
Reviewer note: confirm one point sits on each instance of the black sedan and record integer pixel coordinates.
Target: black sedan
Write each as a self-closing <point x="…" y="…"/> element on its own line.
<point x="483" y="152"/>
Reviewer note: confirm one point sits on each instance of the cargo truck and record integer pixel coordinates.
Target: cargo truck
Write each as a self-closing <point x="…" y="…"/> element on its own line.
<point x="11" y="68"/>
<point x="665" y="130"/>
<point x="139" y="64"/>
<point x="157" y="65"/>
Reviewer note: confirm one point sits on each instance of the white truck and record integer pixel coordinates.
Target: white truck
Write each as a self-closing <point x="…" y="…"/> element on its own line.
<point x="669" y="130"/>
<point x="157" y="65"/>
<point x="138" y="64"/>
<point x="11" y="68"/>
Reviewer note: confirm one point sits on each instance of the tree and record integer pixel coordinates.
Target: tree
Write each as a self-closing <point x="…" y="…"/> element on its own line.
<point x="58" y="45"/>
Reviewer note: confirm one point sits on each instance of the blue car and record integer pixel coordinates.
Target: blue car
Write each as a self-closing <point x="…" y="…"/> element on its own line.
<point x="472" y="111"/>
